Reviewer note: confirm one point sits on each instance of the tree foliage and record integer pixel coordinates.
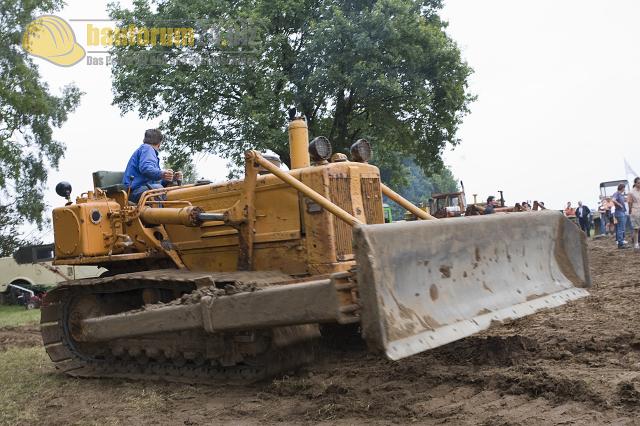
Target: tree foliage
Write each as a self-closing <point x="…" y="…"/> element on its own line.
<point x="383" y="70"/>
<point x="10" y="236"/>
<point x="418" y="187"/>
<point x="28" y="114"/>
<point x="180" y="161"/>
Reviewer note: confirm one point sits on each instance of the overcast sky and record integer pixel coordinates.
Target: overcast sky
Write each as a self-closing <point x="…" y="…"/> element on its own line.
<point x="557" y="86"/>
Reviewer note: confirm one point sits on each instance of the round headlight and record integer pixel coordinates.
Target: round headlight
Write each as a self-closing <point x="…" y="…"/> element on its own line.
<point x="320" y="149"/>
<point x="361" y="151"/>
<point x="63" y="189"/>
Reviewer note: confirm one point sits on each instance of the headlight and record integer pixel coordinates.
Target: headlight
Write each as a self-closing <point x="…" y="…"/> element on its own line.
<point x="63" y="189"/>
<point x="320" y="149"/>
<point x="361" y="151"/>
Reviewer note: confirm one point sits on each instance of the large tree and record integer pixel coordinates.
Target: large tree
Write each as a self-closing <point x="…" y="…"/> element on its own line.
<point x="382" y="70"/>
<point x="28" y="114"/>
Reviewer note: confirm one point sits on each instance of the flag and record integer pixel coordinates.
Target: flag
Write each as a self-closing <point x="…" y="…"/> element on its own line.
<point x="628" y="170"/>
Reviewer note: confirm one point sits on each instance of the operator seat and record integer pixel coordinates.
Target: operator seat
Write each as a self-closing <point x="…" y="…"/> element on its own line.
<point x="109" y="182"/>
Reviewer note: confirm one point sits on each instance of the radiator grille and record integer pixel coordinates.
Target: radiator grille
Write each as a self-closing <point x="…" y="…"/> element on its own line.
<point x="341" y="196"/>
<point x="371" y="200"/>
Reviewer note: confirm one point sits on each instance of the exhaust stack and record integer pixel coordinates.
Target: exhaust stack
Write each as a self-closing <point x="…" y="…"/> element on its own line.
<point x="298" y="141"/>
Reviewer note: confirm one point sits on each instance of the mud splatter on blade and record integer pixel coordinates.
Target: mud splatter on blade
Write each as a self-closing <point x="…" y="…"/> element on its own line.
<point x="427" y="283"/>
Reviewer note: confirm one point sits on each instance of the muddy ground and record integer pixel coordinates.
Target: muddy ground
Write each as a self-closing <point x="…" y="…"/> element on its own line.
<point x="19" y="337"/>
<point x="578" y="364"/>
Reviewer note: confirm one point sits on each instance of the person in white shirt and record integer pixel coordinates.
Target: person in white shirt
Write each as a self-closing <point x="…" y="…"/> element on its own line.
<point x="634" y="211"/>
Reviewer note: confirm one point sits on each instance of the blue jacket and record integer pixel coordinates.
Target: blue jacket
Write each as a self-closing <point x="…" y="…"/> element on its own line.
<point x="144" y="166"/>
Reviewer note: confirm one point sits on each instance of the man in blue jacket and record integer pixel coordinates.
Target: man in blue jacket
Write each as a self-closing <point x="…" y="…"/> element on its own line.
<point x="143" y="171"/>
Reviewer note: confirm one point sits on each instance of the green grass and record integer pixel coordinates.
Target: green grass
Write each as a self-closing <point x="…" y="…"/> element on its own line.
<point x="33" y="392"/>
<point x="14" y="316"/>
<point x="24" y="374"/>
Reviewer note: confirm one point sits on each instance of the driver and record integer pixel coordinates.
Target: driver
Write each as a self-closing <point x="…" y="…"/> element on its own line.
<point x="143" y="170"/>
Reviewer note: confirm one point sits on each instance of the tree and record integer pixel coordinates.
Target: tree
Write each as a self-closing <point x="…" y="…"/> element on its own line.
<point x="180" y="161"/>
<point x="382" y="70"/>
<point x="10" y="237"/>
<point x="28" y="113"/>
<point x="417" y="187"/>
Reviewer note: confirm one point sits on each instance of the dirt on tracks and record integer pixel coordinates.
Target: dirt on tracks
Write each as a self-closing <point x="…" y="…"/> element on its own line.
<point x="578" y="364"/>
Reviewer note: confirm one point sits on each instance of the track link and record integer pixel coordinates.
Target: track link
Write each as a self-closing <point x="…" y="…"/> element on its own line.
<point x="74" y="360"/>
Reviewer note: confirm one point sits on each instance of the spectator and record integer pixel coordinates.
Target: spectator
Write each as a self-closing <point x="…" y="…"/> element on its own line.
<point x="609" y="208"/>
<point x="569" y="211"/>
<point x="634" y="211"/>
<point x="602" y="211"/>
<point x="620" y="215"/>
<point x="491" y="205"/>
<point x="583" y="213"/>
<point x="526" y="207"/>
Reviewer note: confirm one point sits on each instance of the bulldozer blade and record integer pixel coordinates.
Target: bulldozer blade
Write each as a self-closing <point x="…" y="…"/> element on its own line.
<point x="423" y="284"/>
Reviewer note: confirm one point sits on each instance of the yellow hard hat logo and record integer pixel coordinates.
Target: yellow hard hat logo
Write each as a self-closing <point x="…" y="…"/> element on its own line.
<point x="51" y="38"/>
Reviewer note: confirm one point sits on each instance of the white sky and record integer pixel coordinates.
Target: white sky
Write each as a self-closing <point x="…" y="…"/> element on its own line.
<point x="557" y="86"/>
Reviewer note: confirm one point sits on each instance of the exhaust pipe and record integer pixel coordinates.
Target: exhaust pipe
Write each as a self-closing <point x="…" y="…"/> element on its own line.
<point x="298" y="141"/>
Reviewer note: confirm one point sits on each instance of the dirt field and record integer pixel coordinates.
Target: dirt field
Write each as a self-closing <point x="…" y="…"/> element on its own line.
<point x="579" y="364"/>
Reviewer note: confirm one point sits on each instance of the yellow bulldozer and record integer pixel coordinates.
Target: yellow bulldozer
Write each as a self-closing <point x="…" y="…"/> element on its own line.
<point x="216" y="282"/>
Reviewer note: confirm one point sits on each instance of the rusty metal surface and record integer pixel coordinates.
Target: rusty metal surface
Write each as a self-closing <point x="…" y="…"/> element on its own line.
<point x="272" y="306"/>
<point x="93" y="260"/>
<point x="308" y="192"/>
<point x="372" y="199"/>
<point x="340" y="193"/>
<point x="427" y="283"/>
<point x="304" y="303"/>
<point x="172" y="356"/>
<point x="259" y="278"/>
<point x="169" y="318"/>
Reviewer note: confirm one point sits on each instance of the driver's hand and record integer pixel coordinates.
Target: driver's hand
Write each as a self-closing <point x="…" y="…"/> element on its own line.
<point x="177" y="176"/>
<point x="167" y="175"/>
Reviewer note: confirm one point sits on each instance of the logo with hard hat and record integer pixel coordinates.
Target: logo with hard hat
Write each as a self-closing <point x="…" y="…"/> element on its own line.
<point x="52" y="39"/>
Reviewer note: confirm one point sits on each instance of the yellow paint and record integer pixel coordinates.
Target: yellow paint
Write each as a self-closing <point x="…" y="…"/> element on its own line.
<point x="292" y="232"/>
<point x="299" y="143"/>
<point x="78" y="234"/>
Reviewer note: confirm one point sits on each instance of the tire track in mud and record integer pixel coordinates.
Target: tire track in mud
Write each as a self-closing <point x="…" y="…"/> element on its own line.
<point x="577" y="364"/>
<point x="585" y="354"/>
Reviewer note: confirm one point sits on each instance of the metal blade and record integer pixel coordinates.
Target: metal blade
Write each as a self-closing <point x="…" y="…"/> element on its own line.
<point x="423" y="284"/>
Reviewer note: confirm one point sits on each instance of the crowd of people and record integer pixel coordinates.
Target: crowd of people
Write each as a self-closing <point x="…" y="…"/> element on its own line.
<point x="618" y="215"/>
<point x="492" y="203"/>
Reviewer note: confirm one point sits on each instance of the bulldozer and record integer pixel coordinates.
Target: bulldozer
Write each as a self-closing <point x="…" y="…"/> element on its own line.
<point x="216" y="282"/>
<point x="448" y="204"/>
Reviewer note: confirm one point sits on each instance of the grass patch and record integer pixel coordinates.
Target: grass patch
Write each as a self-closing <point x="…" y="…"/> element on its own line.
<point x="33" y="392"/>
<point x="24" y="373"/>
<point x="14" y="316"/>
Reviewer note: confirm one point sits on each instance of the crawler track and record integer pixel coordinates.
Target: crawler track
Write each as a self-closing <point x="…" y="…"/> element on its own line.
<point x="191" y="356"/>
